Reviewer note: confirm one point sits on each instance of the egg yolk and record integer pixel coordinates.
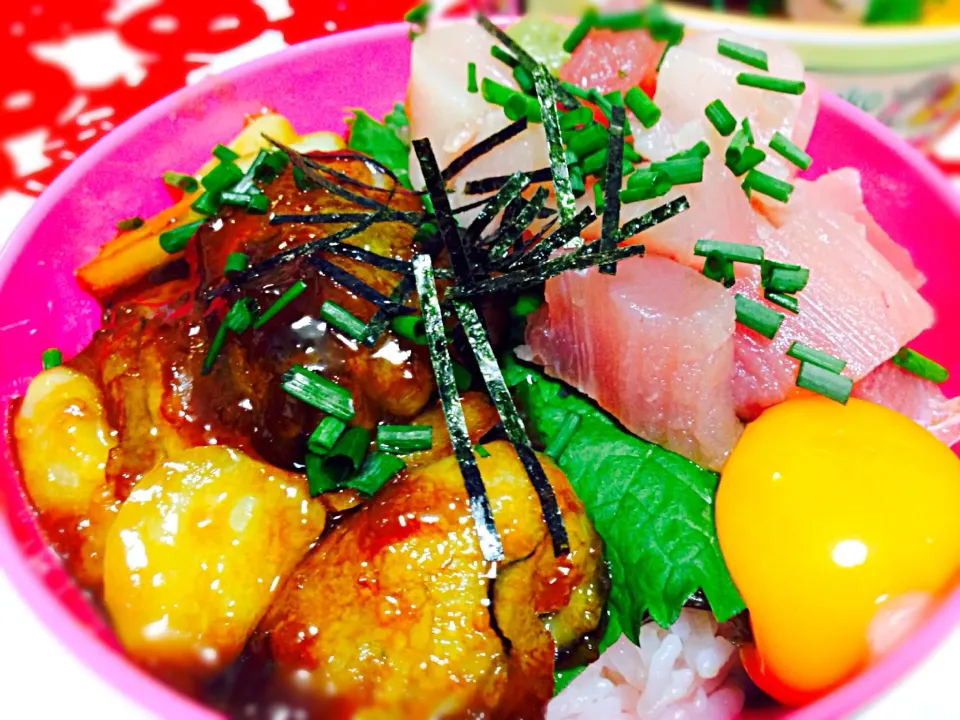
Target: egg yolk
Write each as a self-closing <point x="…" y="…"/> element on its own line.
<point x="825" y="512"/>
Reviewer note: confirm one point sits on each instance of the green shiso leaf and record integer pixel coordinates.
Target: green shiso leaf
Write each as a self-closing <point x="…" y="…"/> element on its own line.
<point x="381" y="142"/>
<point x="652" y="508"/>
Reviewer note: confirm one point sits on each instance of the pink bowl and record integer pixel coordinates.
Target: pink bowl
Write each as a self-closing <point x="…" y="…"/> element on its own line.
<point x="41" y="305"/>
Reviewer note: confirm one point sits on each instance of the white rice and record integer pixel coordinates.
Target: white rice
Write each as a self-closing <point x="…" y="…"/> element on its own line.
<point x="678" y="674"/>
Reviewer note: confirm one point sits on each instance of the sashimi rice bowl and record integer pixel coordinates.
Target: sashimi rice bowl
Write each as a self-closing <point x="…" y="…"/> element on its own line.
<point x="560" y="390"/>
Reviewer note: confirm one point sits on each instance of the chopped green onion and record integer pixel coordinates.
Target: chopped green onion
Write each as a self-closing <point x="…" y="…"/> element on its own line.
<point x="824" y="382"/>
<point x="225" y="174"/>
<point x="614" y="97"/>
<point x="774" y="84"/>
<point x="580" y="30"/>
<point x="788" y="302"/>
<point x="757" y="317"/>
<point x="577" y="92"/>
<point x="318" y="480"/>
<point x="462" y="377"/>
<point x="595" y="163"/>
<point x="719" y="269"/>
<point x="346" y="456"/>
<point x="598" y="197"/>
<point x="738" y="144"/>
<point x="630" y="154"/>
<point x="735" y="252"/>
<point x="520" y="106"/>
<point x="524" y="78"/>
<point x="628" y="20"/>
<point x="920" y="365"/>
<point x="503" y="56"/>
<point x="276" y="161"/>
<point x="377" y="469"/>
<point x="208" y="203"/>
<point x="681" y="172"/>
<point x="495" y="93"/>
<point x="576" y="180"/>
<point x="787" y="280"/>
<point x="234" y="198"/>
<point x="743" y="53"/>
<point x="745" y="126"/>
<point x="597" y="98"/>
<point x="781" y="144"/>
<point x="589" y="140"/>
<point x="184" y="182"/>
<point x="300" y="179"/>
<point x="258" y="204"/>
<point x="222" y="152"/>
<point x="768" y="185"/>
<point x="240" y="316"/>
<point x="176" y="239"/>
<point x="324" y="436"/>
<point x="720" y="117"/>
<point x="645" y="184"/>
<point x="481" y="451"/>
<point x="700" y="150"/>
<point x="51" y="358"/>
<point x="573" y="118"/>
<point x="558" y="443"/>
<point x="236" y="263"/>
<point x="403" y="439"/>
<point x="643" y="108"/>
<point x="342" y="320"/>
<point x="805" y="353"/>
<point x="417" y="15"/>
<point x="410" y="327"/>
<point x="314" y="389"/>
<point x="280" y="303"/>
<point x="472" y="78"/>
<point x="526" y="303"/>
<point x="213" y="351"/>
<point x="768" y="266"/>
<point x="130" y="223"/>
<point x="749" y="159"/>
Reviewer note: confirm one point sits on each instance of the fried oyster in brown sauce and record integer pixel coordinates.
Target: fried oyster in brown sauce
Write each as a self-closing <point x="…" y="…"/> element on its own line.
<point x="177" y="497"/>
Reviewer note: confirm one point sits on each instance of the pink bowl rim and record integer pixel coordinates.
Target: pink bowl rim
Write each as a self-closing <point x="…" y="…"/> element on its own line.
<point x="152" y="694"/>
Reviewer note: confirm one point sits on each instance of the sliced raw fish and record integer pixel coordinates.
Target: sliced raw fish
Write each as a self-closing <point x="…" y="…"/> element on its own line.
<point x="609" y="60"/>
<point x="918" y="399"/>
<point x="653" y="345"/>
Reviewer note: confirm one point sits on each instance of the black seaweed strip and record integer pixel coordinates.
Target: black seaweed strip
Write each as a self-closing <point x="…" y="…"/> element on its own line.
<point x="442" y="363"/>
<point x="370" y="258"/>
<point x="347" y="180"/>
<point x="654" y="217"/>
<point x="510" y="232"/>
<point x="328" y="218"/>
<point x="446" y="223"/>
<point x="359" y="287"/>
<point x="516" y="258"/>
<point x="543" y="251"/>
<point x="472" y="206"/>
<point x="483" y="147"/>
<point x="562" y="188"/>
<point x="512" y="424"/>
<point x="610" y="228"/>
<point x="491" y="184"/>
<point x="378" y="323"/>
<point x="505" y="195"/>
<point x="350" y="154"/>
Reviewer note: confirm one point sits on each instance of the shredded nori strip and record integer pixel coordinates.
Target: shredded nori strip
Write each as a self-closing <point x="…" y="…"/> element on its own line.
<point x="353" y="154"/>
<point x="446" y="223"/>
<point x="359" y="288"/>
<point x="519" y="256"/>
<point x="492" y="184"/>
<point x="483" y="147"/>
<point x="479" y="503"/>
<point x="512" y="424"/>
<point x="381" y="318"/>
<point x="561" y="237"/>
<point x="367" y="257"/>
<point x="512" y="231"/>
<point x="333" y="218"/>
<point x="562" y="188"/>
<point x="507" y="193"/>
<point x="610" y="229"/>
<point x="654" y="217"/>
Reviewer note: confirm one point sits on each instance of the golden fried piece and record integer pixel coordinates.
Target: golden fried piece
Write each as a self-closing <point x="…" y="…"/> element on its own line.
<point x="395" y="614"/>
<point x="196" y="554"/>
<point x="478" y="413"/>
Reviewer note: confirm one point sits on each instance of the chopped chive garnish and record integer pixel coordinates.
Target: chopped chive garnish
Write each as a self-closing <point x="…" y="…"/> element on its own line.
<point x="472" y="78"/>
<point x="51" y="358"/>
<point x="324" y="436"/>
<point x="481" y="451"/>
<point x="547" y="97"/>
<point x="719" y="269"/>
<point x="805" y="353"/>
<point x="576" y="181"/>
<point x="720" y="117"/>
<point x="743" y="53"/>
<point x="578" y="92"/>
<point x="216" y="344"/>
<point x="410" y="327"/>
<point x="681" y="172"/>
<point x="315" y="390"/>
<point x="381" y="317"/>
<point x="240" y="316"/>
<point x="403" y="439"/>
<point x="342" y="320"/>
<point x="768" y="185"/>
<point x="824" y="382"/>
<point x="236" y="263"/>
<point x="258" y="204"/>
<point x="176" y="239"/>
<point x="318" y="481"/>
<point x="417" y="15"/>
<point x="479" y="504"/>
<point x="589" y="140"/>
<point x="346" y="456"/>
<point x="747" y="130"/>
<point x="768" y="266"/>
<point x="561" y="439"/>
<point x="735" y="252"/>
<point x="580" y="30"/>
<point x="748" y="159"/>
<point x="788" y="302"/>
<point x="523" y="106"/>
<point x="610" y="225"/>
<point x="774" y="84"/>
<point x="130" y="223"/>
<point x="208" y="203"/>
<point x="645" y="184"/>
<point x="374" y="473"/>
<point x="184" y="182"/>
<point x="643" y="108"/>
<point x="228" y="197"/>
<point x="700" y="150"/>
<point x="526" y="304"/>
<point x="781" y="144"/>
<point x="222" y="152"/>
<point x="787" y="279"/>
<point x="575" y="117"/>
<point x="280" y="303"/>
<point x="630" y="154"/>
<point x="627" y="20"/>
<point x="524" y="78"/>
<point x="597" y="98"/>
<point x="495" y="93"/>
<point x="598" y="198"/>
<point x="757" y="317"/>
<point x="614" y="97"/>
<point x="594" y="164"/>
<point x="503" y="56"/>
<point x="222" y="176"/>
<point x="920" y="365"/>
<point x="300" y="179"/>
<point x="462" y="376"/>
<point x="738" y="143"/>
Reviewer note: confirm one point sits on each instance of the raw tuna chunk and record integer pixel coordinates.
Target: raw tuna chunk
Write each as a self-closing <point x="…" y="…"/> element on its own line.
<point x="918" y="399"/>
<point x="653" y="345"/>
<point x="856" y="306"/>
<point x="610" y="60"/>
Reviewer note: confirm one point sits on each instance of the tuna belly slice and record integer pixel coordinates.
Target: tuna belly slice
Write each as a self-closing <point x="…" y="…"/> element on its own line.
<point x="653" y="345"/>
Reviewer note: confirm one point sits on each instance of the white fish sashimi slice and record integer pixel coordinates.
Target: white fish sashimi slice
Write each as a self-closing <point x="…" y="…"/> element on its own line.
<point x="855" y="306"/>
<point x="918" y="399"/>
<point x="653" y="345"/>
<point x="441" y="109"/>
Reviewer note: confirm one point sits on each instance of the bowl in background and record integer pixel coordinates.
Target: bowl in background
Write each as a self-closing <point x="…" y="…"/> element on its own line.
<point x="41" y="305"/>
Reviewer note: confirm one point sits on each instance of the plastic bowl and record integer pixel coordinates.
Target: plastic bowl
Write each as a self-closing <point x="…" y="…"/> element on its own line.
<point x="41" y="305"/>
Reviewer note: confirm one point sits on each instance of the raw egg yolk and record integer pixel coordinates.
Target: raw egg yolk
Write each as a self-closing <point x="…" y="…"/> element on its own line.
<point x="824" y="513"/>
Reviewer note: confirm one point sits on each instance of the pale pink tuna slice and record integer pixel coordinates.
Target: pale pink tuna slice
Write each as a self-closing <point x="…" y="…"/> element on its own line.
<point x="856" y="306"/>
<point x="841" y="190"/>
<point x="918" y="399"/>
<point x="653" y="345"/>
